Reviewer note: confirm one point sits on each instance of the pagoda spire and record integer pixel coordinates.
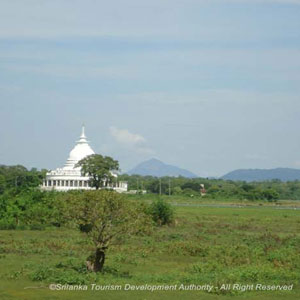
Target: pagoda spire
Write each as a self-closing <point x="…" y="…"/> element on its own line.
<point x="82" y="136"/>
<point x="83" y="131"/>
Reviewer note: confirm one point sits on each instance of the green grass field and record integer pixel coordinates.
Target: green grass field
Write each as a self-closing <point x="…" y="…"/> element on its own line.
<point x="205" y="245"/>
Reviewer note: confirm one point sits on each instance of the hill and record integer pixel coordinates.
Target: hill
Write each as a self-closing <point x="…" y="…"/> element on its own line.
<point x="155" y="167"/>
<point x="283" y="174"/>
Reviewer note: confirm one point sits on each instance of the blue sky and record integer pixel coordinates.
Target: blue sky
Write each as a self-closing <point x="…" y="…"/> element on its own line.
<point x="207" y="85"/>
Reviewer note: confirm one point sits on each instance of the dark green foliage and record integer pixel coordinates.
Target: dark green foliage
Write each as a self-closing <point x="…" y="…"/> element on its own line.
<point x="157" y="187"/>
<point x="216" y="188"/>
<point x="22" y="204"/>
<point x="17" y="178"/>
<point x="268" y="194"/>
<point x="107" y="218"/>
<point x="85" y="227"/>
<point x="271" y="195"/>
<point x="2" y="184"/>
<point x="161" y="212"/>
<point x="191" y="184"/>
<point x="99" y="168"/>
<point x="31" y="208"/>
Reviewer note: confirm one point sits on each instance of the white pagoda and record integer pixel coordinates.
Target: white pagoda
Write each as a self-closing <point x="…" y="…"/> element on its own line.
<point x="70" y="178"/>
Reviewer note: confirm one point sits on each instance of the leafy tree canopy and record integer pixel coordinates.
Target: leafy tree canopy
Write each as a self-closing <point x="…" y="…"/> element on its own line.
<point x="107" y="218"/>
<point x="99" y="168"/>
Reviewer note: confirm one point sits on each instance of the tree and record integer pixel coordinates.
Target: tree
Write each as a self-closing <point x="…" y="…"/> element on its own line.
<point x="270" y="195"/>
<point x="2" y="184"/>
<point x="107" y="217"/>
<point x="19" y="178"/>
<point x="99" y="168"/>
<point x="177" y="190"/>
<point x="195" y="186"/>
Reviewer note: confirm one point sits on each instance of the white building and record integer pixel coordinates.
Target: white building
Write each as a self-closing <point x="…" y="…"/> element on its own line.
<point x="69" y="177"/>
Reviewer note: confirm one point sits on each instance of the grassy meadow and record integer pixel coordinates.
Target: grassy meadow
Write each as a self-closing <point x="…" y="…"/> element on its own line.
<point x="205" y="245"/>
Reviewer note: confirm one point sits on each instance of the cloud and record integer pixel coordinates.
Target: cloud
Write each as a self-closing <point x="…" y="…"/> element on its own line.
<point x="133" y="141"/>
<point x="124" y="136"/>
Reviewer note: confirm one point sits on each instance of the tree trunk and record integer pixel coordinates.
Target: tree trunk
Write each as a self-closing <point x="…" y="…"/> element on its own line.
<point x="99" y="260"/>
<point x="95" y="262"/>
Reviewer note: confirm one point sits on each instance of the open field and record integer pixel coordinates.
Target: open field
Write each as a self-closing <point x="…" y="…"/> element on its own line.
<point x="183" y="200"/>
<point x="205" y="245"/>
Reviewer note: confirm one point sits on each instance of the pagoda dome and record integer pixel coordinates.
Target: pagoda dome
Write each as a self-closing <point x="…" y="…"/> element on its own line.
<point x="80" y="151"/>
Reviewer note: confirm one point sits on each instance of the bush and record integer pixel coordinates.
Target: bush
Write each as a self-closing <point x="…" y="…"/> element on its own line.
<point x="161" y="212"/>
<point x="36" y="226"/>
<point x="7" y="225"/>
<point x="271" y="195"/>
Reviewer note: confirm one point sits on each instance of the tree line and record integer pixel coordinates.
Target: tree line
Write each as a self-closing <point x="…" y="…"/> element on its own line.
<point x="15" y="180"/>
<point x="215" y="188"/>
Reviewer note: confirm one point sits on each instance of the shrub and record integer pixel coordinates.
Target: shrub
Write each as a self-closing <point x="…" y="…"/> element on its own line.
<point x="161" y="212"/>
<point x="271" y="195"/>
<point x="37" y="226"/>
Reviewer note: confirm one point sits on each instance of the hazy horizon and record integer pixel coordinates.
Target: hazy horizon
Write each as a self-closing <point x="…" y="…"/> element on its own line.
<point x="206" y="85"/>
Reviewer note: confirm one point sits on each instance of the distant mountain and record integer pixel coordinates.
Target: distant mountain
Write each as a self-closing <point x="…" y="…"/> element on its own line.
<point x="155" y="167"/>
<point x="283" y="174"/>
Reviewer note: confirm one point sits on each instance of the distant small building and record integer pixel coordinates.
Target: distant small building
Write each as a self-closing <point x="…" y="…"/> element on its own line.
<point x="70" y="178"/>
<point x="202" y="189"/>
